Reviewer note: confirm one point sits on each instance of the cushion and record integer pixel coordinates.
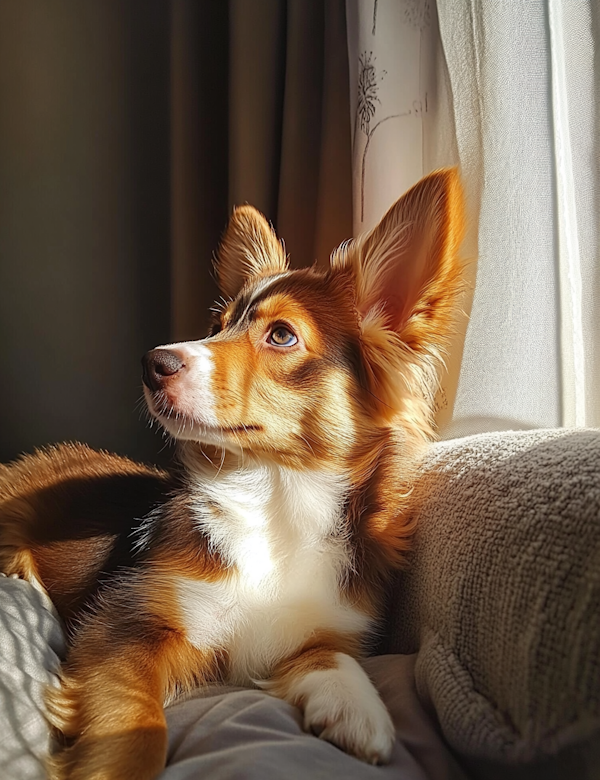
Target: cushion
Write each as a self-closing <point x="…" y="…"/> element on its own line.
<point x="502" y="593"/>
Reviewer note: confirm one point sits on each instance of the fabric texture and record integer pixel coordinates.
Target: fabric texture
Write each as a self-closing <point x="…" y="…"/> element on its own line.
<point x="249" y="734"/>
<point x="31" y="643"/>
<point x="502" y="593"/>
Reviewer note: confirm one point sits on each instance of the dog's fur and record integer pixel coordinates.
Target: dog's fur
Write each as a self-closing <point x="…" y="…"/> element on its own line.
<point x="300" y="422"/>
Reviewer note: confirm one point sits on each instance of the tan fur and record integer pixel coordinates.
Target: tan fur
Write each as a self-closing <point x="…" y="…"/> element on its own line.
<point x="62" y="510"/>
<point x="249" y="248"/>
<point x="315" y="655"/>
<point x="144" y="566"/>
<point x="116" y="703"/>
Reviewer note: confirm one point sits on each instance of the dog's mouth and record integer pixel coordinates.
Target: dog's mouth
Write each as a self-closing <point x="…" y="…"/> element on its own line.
<point x="188" y="427"/>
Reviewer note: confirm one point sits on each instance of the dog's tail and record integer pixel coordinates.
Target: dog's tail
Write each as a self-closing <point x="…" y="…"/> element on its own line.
<point x="66" y="517"/>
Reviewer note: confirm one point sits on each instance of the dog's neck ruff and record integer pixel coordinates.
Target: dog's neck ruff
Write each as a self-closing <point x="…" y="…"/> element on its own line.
<point x="261" y="516"/>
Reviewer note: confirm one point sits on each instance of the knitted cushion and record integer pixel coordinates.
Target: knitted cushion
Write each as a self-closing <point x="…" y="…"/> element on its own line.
<point x="502" y="595"/>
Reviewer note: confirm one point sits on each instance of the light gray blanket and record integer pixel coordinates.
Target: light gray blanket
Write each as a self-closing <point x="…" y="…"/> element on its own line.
<point x="31" y="642"/>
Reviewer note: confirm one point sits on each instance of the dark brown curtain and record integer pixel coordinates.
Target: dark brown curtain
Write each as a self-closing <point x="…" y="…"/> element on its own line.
<point x="128" y="129"/>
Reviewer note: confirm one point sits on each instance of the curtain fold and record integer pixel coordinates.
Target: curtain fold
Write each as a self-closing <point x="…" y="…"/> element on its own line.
<point x="256" y="99"/>
<point x="530" y="148"/>
<point x="289" y="132"/>
<point x="575" y="93"/>
<point x="509" y="91"/>
<point x="199" y="72"/>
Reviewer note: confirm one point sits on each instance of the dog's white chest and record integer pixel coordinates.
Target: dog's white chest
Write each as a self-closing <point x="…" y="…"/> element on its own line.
<point x="277" y="531"/>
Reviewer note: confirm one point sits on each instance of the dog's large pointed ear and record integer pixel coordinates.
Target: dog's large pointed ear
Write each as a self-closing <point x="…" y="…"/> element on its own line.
<point x="406" y="270"/>
<point x="408" y="281"/>
<point x="249" y="248"/>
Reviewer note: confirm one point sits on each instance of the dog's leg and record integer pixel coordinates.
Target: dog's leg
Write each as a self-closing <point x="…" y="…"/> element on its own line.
<point x="113" y="723"/>
<point x="338" y="700"/>
<point x="109" y="708"/>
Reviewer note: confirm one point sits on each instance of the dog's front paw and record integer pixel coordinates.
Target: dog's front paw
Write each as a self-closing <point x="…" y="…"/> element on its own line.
<point x="342" y="706"/>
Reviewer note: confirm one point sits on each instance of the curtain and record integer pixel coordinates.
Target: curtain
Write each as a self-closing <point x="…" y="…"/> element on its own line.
<point x="84" y="218"/>
<point x="261" y="117"/>
<point x="402" y="120"/>
<point x="128" y="130"/>
<point x="517" y="96"/>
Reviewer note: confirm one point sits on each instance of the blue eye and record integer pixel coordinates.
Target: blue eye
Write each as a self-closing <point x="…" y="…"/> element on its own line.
<point x="281" y="336"/>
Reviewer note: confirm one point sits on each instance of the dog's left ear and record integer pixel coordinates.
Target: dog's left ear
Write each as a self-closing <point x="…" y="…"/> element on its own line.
<point x="408" y="282"/>
<point x="249" y="248"/>
<point x="406" y="271"/>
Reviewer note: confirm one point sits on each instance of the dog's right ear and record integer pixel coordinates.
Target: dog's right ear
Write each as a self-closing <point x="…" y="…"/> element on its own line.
<point x="249" y="248"/>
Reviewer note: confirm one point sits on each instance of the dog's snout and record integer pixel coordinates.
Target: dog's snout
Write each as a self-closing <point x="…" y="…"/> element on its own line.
<point x="158" y="365"/>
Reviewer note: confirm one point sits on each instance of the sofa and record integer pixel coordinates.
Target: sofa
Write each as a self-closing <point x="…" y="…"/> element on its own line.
<point x="488" y="659"/>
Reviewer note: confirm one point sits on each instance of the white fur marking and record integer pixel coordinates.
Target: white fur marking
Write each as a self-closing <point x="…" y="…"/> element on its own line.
<point x="342" y="706"/>
<point x="263" y="285"/>
<point x="277" y="530"/>
<point x="206" y="610"/>
<point x="195" y="398"/>
<point x="201" y="351"/>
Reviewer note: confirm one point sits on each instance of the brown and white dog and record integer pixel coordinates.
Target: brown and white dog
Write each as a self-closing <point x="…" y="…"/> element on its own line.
<point x="300" y="422"/>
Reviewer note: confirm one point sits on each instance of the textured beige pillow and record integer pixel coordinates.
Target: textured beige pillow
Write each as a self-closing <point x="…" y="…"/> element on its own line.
<point x="502" y="596"/>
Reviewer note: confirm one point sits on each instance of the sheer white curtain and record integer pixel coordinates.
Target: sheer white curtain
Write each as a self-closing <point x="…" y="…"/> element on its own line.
<point x="509" y="90"/>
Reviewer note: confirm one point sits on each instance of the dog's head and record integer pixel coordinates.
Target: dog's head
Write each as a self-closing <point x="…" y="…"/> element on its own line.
<point x="303" y="365"/>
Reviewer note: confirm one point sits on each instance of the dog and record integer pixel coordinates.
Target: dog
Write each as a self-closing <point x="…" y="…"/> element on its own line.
<point x="263" y="560"/>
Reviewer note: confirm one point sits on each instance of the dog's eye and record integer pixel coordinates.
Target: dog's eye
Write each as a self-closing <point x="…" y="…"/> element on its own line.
<point x="281" y="336"/>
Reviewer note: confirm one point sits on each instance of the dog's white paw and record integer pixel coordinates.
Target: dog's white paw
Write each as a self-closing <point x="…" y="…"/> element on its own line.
<point x="342" y="706"/>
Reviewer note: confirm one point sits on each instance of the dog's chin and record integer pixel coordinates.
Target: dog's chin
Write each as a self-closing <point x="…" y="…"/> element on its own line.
<point x="185" y="429"/>
<point x="181" y="426"/>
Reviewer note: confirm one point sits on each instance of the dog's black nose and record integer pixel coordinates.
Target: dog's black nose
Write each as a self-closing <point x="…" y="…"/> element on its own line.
<point x="157" y="365"/>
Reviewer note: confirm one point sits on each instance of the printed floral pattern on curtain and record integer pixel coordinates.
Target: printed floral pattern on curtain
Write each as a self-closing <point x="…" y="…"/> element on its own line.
<point x="394" y="100"/>
<point x="402" y="124"/>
